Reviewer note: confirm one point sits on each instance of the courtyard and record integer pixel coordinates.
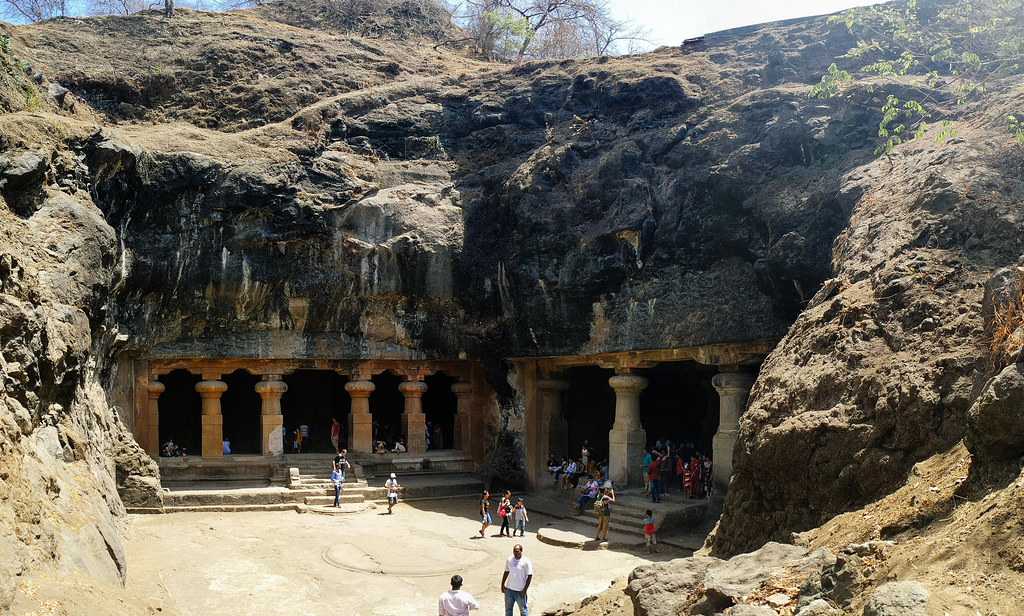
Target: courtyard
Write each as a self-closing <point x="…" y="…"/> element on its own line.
<point x="363" y="563"/>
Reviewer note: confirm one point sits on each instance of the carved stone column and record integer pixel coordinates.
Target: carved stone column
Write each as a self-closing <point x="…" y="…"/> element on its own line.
<point x="360" y="422"/>
<point x="270" y="389"/>
<point x="554" y="430"/>
<point x="627" y="438"/>
<point x="733" y="389"/>
<point x="463" y="416"/>
<point x="213" y="422"/>
<point x="150" y="430"/>
<point x="414" y="422"/>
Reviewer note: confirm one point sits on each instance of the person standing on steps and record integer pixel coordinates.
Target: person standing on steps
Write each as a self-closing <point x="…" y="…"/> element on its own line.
<point x="391" y="487"/>
<point x="585" y="457"/>
<point x="603" y="509"/>
<point x="654" y="476"/>
<point x="456" y="602"/>
<point x="485" y="512"/>
<point x="337" y="478"/>
<point x="505" y="513"/>
<point x="516" y="580"/>
<point x="335" y="434"/>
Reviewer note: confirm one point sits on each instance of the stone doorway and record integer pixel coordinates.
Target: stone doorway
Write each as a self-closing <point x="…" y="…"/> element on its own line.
<point x="439" y="405"/>
<point x="240" y="407"/>
<point x="386" y="407"/>
<point x="589" y="411"/>
<point x="180" y="410"/>
<point x="680" y="404"/>
<point x="313" y="398"/>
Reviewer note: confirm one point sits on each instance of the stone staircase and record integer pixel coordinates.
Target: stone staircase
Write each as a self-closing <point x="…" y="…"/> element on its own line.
<point x="628" y="513"/>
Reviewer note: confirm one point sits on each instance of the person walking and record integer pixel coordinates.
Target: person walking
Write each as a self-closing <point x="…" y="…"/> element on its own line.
<point x="516" y="580"/>
<point x="391" y="487"/>
<point x="650" y="532"/>
<point x="485" y="512"/>
<point x="520" y="518"/>
<point x="456" y="602"/>
<point x="337" y="478"/>
<point x="603" y="508"/>
<point x="505" y="513"/>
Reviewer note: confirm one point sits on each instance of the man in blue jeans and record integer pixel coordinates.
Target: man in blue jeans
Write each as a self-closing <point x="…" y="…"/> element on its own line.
<point x="516" y="580"/>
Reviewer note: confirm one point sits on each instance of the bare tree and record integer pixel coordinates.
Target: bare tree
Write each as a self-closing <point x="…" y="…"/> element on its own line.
<point x="515" y="29"/>
<point x="33" y="10"/>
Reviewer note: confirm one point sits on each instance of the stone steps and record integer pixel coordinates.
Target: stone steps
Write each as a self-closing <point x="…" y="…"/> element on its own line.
<point x="218" y="508"/>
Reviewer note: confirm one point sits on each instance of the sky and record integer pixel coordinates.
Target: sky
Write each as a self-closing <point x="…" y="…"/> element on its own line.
<point x="670" y="21"/>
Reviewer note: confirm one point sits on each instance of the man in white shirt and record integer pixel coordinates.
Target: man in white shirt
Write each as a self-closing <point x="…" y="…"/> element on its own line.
<point x="391" y="487"/>
<point x="456" y="602"/>
<point x="516" y="580"/>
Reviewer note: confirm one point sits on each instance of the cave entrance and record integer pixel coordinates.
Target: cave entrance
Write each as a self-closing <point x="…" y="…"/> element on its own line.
<point x="181" y="411"/>
<point x="679" y="404"/>
<point x="589" y="411"/>
<point x="439" y="405"/>
<point x="315" y="398"/>
<point x="386" y="405"/>
<point x="240" y="407"/>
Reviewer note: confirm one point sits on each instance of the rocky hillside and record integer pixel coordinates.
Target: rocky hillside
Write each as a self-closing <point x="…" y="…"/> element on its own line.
<point x="274" y="183"/>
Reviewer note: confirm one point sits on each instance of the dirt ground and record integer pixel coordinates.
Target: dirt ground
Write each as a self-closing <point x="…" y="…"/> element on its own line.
<point x="357" y="564"/>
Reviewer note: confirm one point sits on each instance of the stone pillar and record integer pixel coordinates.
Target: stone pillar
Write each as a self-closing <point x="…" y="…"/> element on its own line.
<point x="463" y="416"/>
<point x="414" y="422"/>
<point x="150" y="429"/>
<point x="627" y="439"/>
<point x="554" y="431"/>
<point x="733" y="389"/>
<point x="270" y="389"/>
<point x="360" y="422"/>
<point x="213" y="421"/>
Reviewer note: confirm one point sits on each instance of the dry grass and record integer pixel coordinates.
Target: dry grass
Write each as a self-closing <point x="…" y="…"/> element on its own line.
<point x="1007" y="324"/>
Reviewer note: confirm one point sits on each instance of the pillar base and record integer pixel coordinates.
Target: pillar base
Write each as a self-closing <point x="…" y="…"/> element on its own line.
<point x="213" y="436"/>
<point x="414" y="425"/>
<point x="273" y="434"/>
<point x="625" y="454"/>
<point x="722" y="446"/>
<point x="360" y="432"/>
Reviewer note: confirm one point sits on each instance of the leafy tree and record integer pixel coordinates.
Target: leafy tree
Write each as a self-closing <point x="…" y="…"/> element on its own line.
<point x="946" y="51"/>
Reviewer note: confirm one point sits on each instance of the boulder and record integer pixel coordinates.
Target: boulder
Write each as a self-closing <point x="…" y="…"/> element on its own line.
<point x="898" y="599"/>
<point x="996" y="421"/>
<point x="819" y="607"/>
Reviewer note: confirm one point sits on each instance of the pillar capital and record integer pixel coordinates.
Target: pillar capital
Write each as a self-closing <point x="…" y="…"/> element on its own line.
<point x="271" y="388"/>
<point x="360" y="389"/>
<point x="155" y="388"/>
<point x="732" y="382"/>
<point x="628" y="383"/>
<point x="211" y="389"/>
<point x="462" y="389"/>
<point x="553" y="384"/>
<point x="413" y="389"/>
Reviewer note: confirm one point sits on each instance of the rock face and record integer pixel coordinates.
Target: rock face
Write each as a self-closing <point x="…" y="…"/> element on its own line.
<point x="881" y="368"/>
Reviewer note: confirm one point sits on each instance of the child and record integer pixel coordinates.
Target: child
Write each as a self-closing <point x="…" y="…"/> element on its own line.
<point x="520" y="517"/>
<point x="337" y="478"/>
<point x="650" y="537"/>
